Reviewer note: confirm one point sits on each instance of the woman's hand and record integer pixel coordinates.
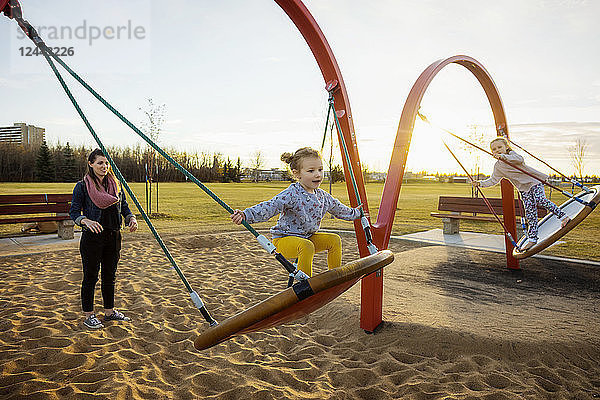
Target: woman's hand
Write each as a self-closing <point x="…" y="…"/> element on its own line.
<point x="93" y="226"/>
<point x="238" y="217"/>
<point x="133" y="225"/>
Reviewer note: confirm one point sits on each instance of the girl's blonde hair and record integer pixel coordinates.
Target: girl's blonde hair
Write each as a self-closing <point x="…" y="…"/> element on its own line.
<point x="295" y="160"/>
<point x="92" y="158"/>
<point x="503" y="140"/>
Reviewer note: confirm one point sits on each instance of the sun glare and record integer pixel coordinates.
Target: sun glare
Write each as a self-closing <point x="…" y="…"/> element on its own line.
<point x="427" y="153"/>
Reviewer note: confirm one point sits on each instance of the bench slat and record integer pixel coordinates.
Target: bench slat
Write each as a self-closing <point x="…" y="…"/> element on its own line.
<point x="469" y="217"/>
<point x="15" y="209"/>
<point x="477" y="205"/>
<point x="470" y="208"/>
<point x="35" y="198"/>
<point x="33" y="219"/>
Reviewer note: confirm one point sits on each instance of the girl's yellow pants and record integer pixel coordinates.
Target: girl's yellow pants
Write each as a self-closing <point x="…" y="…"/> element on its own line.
<point x="305" y="249"/>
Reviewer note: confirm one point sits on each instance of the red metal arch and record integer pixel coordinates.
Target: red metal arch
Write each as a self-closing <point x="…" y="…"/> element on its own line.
<point x="382" y="229"/>
<point x="330" y="70"/>
<point x="3" y="5"/>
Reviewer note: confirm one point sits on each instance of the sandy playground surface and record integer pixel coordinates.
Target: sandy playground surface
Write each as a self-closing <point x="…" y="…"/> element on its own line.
<point x="458" y="325"/>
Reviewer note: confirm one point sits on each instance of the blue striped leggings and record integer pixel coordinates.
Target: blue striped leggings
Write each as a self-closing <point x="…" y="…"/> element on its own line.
<point x="531" y="199"/>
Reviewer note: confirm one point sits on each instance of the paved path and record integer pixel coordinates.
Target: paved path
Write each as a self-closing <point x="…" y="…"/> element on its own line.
<point x="477" y="241"/>
<point x="20" y="245"/>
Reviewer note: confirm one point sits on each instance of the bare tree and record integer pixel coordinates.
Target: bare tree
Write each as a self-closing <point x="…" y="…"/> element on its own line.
<point x="152" y="126"/>
<point x="476" y="135"/>
<point x="155" y="114"/>
<point x="256" y="163"/>
<point x="577" y="153"/>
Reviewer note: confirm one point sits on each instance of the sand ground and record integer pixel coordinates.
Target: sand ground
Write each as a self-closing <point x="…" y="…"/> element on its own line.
<point x="458" y="325"/>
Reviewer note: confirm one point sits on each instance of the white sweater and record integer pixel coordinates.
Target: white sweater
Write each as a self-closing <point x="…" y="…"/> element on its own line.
<point x="520" y="180"/>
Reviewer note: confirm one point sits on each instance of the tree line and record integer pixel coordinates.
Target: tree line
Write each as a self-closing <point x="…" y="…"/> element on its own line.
<point x="64" y="163"/>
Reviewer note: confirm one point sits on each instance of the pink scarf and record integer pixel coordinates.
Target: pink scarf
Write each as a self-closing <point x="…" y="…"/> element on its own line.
<point x="102" y="198"/>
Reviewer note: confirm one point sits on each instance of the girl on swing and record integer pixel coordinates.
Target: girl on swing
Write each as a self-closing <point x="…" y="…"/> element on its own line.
<point x="531" y="189"/>
<point x="302" y="206"/>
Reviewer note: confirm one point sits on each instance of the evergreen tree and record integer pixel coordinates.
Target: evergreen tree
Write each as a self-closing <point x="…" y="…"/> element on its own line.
<point x="231" y="173"/>
<point x="337" y="174"/>
<point x="226" y="171"/>
<point x="56" y="153"/>
<point x="68" y="169"/>
<point x="214" y="170"/>
<point x="237" y="175"/>
<point x="44" y="164"/>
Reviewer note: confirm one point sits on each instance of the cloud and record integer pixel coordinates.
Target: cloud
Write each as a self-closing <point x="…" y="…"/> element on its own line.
<point x="273" y="59"/>
<point x="14" y="84"/>
<point x="76" y="122"/>
<point x="261" y="121"/>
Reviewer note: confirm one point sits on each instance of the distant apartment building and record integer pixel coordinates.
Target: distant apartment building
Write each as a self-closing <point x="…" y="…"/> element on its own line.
<point x="20" y="133"/>
<point x="268" y="175"/>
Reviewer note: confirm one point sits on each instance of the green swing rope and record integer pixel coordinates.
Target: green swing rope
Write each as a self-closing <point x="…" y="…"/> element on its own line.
<point x="194" y="296"/>
<point x="263" y="241"/>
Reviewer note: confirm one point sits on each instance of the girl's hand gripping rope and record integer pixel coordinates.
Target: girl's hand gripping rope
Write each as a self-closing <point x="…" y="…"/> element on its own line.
<point x="238" y="216"/>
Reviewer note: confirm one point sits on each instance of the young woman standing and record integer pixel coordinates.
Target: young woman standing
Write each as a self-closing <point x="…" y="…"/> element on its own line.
<point x="99" y="207"/>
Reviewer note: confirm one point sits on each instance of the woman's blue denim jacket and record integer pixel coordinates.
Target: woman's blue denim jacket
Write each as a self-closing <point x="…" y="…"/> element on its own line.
<point x="82" y="202"/>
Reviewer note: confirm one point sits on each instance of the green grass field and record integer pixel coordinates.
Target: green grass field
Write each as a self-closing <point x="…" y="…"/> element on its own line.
<point x="183" y="207"/>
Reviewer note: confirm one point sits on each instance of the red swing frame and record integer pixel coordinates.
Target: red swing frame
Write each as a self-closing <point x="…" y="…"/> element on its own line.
<point x="372" y="285"/>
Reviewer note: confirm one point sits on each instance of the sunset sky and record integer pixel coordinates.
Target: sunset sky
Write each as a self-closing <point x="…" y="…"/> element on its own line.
<point x="237" y="77"/>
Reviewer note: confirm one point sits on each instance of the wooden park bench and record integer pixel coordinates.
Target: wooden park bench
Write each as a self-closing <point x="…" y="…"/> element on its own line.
<point x="23" y="208"/>
<point x="469" y="208"/>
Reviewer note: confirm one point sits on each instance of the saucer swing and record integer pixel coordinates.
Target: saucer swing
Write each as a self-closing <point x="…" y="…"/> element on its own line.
<point x="300" y="299"/>
<point x="577" y="207"/>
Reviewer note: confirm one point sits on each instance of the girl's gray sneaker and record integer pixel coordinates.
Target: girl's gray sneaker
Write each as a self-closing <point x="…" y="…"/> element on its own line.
<point x="116" y="316"/>
<point x="93" y="322"/>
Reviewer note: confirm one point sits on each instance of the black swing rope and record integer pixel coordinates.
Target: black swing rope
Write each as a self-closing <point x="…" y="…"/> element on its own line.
<point x="32" y="34"/>
<point x="567" y="194"/>
<point x="573" y="181"/>
<point x="363" y="219"/>
<point x="293" y="271"/>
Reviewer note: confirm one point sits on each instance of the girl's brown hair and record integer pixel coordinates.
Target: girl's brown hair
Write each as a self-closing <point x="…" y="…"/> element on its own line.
<point x="503" y="140"/>
<point x="91" y="159"/>
<point x="295" y="160"/>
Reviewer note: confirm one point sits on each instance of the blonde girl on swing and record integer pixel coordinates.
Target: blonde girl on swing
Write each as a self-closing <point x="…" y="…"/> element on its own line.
<point x="301" y="207"/>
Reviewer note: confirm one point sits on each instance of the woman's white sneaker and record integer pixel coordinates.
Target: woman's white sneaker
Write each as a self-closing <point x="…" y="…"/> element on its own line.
<point x="93" y="322"/>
